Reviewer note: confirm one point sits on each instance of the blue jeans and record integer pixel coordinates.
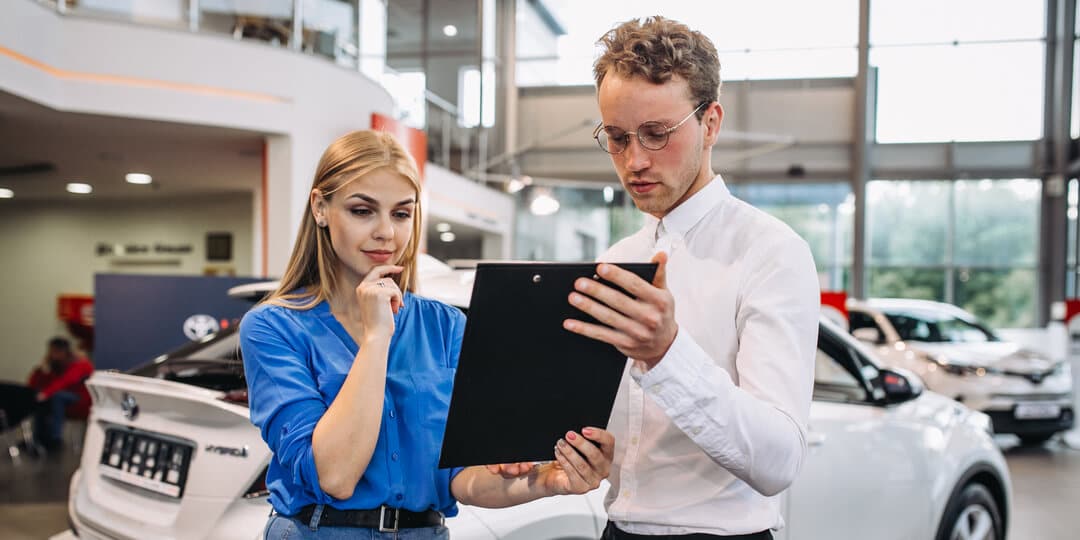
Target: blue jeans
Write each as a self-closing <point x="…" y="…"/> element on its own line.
<point x="280" y="527"/>
<point x="49" y="418"/>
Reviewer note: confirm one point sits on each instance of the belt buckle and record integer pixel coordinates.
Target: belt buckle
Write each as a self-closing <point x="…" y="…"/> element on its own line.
<point x="382" y="519"/>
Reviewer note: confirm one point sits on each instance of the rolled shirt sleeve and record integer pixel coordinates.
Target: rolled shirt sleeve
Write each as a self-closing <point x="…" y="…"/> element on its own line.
<point x="284" y="399"/>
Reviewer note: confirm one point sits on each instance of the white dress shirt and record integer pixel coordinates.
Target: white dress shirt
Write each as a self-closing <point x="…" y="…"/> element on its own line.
<point x="706" y="439"/>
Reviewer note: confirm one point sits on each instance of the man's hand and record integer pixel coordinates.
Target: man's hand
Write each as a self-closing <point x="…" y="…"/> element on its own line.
<point x="641" y="328"/>
<point x="41" y="397"/>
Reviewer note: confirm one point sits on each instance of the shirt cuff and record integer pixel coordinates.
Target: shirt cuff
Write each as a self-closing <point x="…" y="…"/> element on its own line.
<point x="307" y="471"/>
<point x="670" y="378"/>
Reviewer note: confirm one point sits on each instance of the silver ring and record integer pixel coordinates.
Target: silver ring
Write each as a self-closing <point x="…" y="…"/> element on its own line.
<point x="381" y="284"/>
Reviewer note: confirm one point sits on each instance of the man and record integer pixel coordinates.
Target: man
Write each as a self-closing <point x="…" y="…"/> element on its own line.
<point x="60" y="382"/>
<point x="710" y="421"/>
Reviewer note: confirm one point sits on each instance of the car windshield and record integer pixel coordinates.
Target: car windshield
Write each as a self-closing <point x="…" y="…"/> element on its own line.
<point x="938" y="328"/>
<point x="213" y="363"/>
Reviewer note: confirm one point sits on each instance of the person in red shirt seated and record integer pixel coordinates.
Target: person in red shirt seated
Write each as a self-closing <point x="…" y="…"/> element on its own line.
<point x="60" y="381"/>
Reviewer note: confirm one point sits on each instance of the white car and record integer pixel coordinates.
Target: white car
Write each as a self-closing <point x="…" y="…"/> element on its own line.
<point x="885" y="461"/>
<point x="1024" y="392"/>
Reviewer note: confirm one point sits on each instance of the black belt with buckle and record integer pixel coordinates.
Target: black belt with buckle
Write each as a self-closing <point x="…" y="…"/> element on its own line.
<point x="383" y="518"/>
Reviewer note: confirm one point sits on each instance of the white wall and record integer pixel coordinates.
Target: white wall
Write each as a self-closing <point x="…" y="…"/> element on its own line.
<point x="449" y="196"/>
<point x="49" y="249"/>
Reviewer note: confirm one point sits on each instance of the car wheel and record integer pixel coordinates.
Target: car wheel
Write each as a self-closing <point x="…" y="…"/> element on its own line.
<point x="1036" y="439"/>
<point x="971" y="515"/>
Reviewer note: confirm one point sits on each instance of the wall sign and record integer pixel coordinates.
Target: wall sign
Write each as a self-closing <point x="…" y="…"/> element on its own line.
<point x="104" y="249"/>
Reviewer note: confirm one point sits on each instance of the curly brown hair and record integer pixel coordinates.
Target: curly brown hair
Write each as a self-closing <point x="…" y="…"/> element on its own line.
<point x="658" y="48"/>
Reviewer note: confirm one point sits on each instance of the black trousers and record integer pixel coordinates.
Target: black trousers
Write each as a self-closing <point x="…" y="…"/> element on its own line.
<point x="611" y="532"/>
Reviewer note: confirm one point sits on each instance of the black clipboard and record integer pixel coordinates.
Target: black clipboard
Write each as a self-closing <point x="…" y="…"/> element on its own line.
<point x="523" y="380"/>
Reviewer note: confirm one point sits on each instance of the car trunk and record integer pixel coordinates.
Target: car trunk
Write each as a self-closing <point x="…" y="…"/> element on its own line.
<point x="162" y="455"/>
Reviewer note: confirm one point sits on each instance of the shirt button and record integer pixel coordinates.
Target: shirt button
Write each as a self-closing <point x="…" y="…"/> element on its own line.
<point x="392" y="413"/>
<point x="399" y="496"/>
<point x="393" y="456"/>
<point x="633" y="441"/>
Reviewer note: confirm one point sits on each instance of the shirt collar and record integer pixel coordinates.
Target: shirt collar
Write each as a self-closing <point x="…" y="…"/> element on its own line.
<point x="683" y="218"/>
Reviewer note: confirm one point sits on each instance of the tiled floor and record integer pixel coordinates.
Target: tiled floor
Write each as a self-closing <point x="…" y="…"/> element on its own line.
<point x="1046" y="493"/>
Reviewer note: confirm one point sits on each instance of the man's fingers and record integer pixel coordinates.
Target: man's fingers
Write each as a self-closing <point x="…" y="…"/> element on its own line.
<point x="660" y="279"/>
<point x="600" y="333"/>
<point x="614" y="299"/>
<point x="605" y="314"/>
<point x="626" y="279"/>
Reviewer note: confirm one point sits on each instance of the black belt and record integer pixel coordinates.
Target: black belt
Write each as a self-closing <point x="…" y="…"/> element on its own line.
<point x="611" y="532"/>
<point x="383" y="518"/>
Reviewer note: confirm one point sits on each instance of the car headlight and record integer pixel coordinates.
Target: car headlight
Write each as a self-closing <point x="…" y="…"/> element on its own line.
<point x="960" y="369"/>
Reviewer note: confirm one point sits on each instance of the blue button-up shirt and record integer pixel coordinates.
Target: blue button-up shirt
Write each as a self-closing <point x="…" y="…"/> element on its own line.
<point x="296" y="361"/>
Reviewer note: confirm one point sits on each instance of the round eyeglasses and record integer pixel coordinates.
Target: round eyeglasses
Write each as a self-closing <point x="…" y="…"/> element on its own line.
<point x="652" y="135"/>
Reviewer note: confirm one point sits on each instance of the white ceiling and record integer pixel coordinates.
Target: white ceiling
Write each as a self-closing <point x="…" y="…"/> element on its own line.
<point x="44" y="149"/>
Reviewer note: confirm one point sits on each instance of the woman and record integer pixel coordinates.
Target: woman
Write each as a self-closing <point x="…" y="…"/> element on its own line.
<point x="349" y="373"/>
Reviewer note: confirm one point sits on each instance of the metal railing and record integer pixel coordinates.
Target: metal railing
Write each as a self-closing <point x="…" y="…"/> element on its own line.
<point x="328" y="29"/>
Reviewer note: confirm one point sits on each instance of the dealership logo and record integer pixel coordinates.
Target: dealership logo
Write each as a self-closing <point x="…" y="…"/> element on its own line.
<point x="129" y="406"/>
<point x="227" y="450"/>
<point x="199" y="326"/>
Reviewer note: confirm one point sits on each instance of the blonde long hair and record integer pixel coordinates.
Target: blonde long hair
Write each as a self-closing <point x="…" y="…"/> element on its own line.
<point x="312" y="270"/>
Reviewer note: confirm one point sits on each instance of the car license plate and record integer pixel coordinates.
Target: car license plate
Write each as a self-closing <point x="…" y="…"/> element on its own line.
<point x="1036" y="411"/>
<point x="147" y="461"/>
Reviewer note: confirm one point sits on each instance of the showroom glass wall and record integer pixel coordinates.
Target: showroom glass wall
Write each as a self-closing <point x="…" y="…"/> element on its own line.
<point x="754" y="45"/>
<point x="822" y="213"/>
<point x="967" y="242"/>
<point x="941" y="78"/>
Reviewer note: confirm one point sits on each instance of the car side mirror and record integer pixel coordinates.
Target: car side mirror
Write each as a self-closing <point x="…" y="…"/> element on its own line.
<point x="899" y="385"/>
<point x="867" y="334"/>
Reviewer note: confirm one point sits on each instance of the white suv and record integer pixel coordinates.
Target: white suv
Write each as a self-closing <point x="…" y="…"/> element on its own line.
<point x="1024" y="392"/>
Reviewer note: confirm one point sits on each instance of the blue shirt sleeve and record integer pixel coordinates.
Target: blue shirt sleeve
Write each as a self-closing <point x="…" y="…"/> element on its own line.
<point x="456" y="334"/>
<point x="283" y="396"/>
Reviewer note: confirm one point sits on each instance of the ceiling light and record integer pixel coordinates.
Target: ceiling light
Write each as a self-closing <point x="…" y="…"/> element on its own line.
<point x="447" y="236"/>
<point x="138" y="178"/>
<point x="449" y="30"/>
<point x="544" y="205"/>
<point x="517" y="184"/>
<point x="442" y="227"/>
<point x="6" y="193"/>
<point x="609" y="194"/>
<point x="80" y="188"/>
